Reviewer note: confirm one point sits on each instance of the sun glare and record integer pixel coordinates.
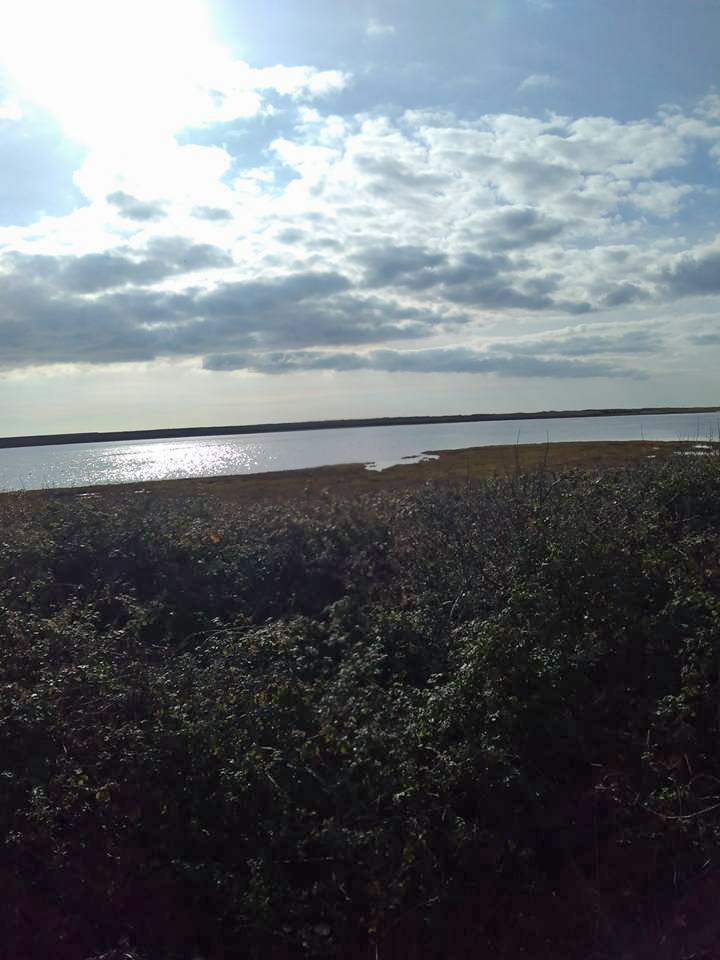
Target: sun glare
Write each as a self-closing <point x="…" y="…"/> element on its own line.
<point x="111" y="69"/>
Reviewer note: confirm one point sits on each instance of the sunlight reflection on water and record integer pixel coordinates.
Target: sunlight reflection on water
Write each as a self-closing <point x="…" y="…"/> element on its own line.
<point x="85" y="464"/>
<point x="175" y="459"/>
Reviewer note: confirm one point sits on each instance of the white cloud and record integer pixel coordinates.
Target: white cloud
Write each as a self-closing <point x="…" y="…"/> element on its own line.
<point x="10" y="109"/>
<point x="660" y="198"/>
<point x="155" y="70"/>
<point x="537" y="80"/>
<point x="375" y="28"/>
<point x="298" y="82"/>
<point x="358" y="234"/>
<point x="167" y="172"/>
<point x="709" y="106"/>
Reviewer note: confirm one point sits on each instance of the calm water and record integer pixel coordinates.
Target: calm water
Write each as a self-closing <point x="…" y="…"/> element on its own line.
<point x="71" y="465"/>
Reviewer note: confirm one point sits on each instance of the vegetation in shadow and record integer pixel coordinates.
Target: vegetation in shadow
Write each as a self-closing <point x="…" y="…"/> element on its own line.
<point x="251" y="730"/>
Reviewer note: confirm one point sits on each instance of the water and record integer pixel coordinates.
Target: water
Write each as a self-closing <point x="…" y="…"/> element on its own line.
<point x="132" y="461"/>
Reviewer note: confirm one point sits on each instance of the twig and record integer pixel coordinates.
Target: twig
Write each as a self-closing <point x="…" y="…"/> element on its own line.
<point x="687" y="816"/>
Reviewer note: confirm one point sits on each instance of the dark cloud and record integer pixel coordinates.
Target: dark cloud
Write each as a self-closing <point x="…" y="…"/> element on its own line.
<point x="521" y="227"/>
<point x="228" y="301"/>
<point x="38" y="329"/>
<point x="95" y="272"/>
<point x="576" y="307"/>
<point x="100" y="271"/>
<point x="705" y="339"/>
<point x="694" y="275"/>
<point x="403" y="265"/>
<point x="133" y="209"/>
<point x="473" y="283"/>
<point x="215" y="214"/>
<point x="617" y="255"/>
<point x="623" y="294"/>
<point x="499" y="295"/>
<point x="536" y="180"/>
<point x="584" y="344"/>
<point x="305" y="310"/>
<point x="45" y="324"/>
<point x="391" y="176"/>
<point x="184" y="256"/>
<point x="102" y="308"/>
<point x="434" y="360"/>
<point x="290" y="235"/>
<point x="478" y="280"/>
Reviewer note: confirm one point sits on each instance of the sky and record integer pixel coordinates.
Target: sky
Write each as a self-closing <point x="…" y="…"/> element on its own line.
<point x="239" y="211"/>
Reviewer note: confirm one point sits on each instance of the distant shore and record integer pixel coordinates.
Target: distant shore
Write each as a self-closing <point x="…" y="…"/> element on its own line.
<point x="42" y="440"/>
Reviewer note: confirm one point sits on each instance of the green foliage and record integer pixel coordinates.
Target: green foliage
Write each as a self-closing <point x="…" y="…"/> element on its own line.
<point x="291" y="724"/>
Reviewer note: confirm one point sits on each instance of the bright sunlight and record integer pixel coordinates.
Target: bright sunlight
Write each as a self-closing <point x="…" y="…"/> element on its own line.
<point x="110" y="70"/>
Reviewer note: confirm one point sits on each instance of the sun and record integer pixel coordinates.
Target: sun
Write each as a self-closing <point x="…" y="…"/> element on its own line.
<point x="111" y="70"/>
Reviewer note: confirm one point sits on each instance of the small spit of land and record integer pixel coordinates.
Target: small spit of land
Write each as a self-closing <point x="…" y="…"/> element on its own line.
<point x="464" y="708"/>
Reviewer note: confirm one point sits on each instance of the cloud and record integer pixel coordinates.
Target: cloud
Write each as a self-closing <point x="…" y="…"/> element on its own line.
<point x="10" y="109"/>
<point x="45" y="320"/>
<point x="537" y="80"/>
<point x="389" y="176"/>
<point x="623" y="294"/>
<point x="375" y="28"/>
<point x="434" y="360"/>
<point x="520" y="227"/>
<point x="531" y="180"/>
<point x="213" y="214"/>
<point x="694" y="274"/>
<point x="133" y="209"/>
<point x="503" y="181"/>
<point x="290" y="235"/>
<point x="298" y="82"/>
<point x="584" y="342"/>
<point x="95" y="272"/>
<point x="705" y="339"/>
<point x="350" y="238"/>
<point x="661" y="199"/>
<point x="479" y="280"/>
<point x="407" y="265"/>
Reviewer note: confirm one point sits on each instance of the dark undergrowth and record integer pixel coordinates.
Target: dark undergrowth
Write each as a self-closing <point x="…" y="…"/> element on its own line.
<point x="462" y="722"/>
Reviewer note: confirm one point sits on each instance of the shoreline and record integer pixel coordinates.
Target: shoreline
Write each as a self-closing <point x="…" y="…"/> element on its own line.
<point x="353" y="479"/>
<point x="43" y="440"/>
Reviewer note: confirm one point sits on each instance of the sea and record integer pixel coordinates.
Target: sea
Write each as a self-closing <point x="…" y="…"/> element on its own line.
<point x="138" y="461"/>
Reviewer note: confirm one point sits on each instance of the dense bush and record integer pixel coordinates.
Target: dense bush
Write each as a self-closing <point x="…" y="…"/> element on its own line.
<point x="292" y="724"/>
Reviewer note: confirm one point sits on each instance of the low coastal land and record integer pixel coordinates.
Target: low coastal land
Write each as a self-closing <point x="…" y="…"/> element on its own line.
<point x="252" y="428"/>
<point x="460" y="708"/>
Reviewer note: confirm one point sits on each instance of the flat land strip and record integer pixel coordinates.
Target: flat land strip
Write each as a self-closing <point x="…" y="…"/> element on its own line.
<point x="166" y="433"/>
<point x="349" y="480"/>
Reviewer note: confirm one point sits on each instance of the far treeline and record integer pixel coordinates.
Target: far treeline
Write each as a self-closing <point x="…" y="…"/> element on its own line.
<point x="42" y="440"/>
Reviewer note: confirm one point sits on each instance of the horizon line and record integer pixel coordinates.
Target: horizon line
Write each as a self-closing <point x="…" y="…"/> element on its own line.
<point x="166" y="433"/>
